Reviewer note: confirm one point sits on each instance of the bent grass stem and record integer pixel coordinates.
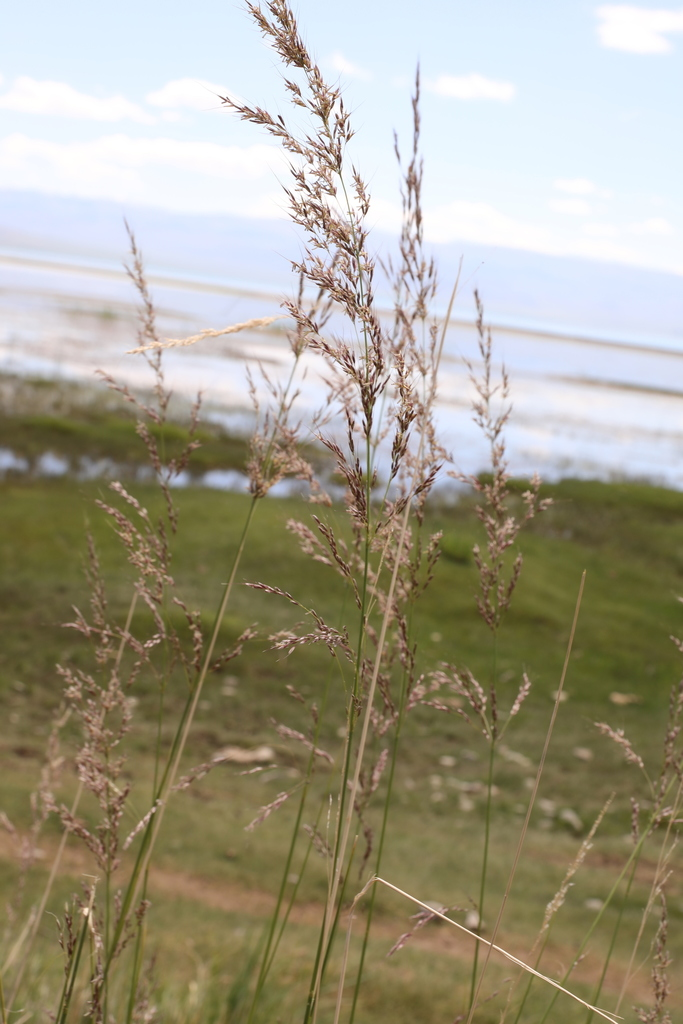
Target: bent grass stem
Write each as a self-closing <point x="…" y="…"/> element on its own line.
<point x="605" y="1014"/>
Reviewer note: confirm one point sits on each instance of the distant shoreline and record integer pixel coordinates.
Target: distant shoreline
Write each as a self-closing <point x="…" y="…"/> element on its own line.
<point x="60" y="263"/>
<point x="582" y="405"/>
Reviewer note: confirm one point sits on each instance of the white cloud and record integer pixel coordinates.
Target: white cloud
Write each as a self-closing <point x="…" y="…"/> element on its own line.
<point x="157" y="171"/>
<point x="29" y="96"/>
<point x="574" y="207"/>
<point x="581" y="187"/>
<point x="652" y="226"/>
<point x="471" y="87"/>
<point x="600" y="230"/>
<point x="576" y="186"/>
<point x="189" y="93"/>
<point x="481" y="222"/>
<point x="638" y="29"/>
<point x="385" y="215"/>
<point x="339" y="62"/>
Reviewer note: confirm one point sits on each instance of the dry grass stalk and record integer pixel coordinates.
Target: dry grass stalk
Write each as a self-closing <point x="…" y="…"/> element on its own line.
<point x="166" y="343"/>
<point x="560" y="896"/>
<point x="659" y="881"/>
<point x="658" y="1013"/>
<point x="101" y="700"/>
<point x="422" y="918"/>
<point x="383" y="383"/>
<point x="492" y="410"/>
<point x="274" y="455"/>
<point x="617" y="735"/>
<point x="266" y="811"/>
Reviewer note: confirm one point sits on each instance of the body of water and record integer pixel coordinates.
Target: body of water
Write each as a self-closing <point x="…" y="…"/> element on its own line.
<point x="582" y="405"/>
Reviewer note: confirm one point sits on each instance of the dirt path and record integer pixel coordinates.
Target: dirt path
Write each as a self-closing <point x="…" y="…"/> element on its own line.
<point x="439" y="939"/>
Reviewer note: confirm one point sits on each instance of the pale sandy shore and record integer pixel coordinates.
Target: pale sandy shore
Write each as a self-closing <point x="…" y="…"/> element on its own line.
<point x="582" y="406"/>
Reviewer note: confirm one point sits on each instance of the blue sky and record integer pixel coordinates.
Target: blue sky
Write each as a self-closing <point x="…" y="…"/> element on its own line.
<point x="548" y="126"/>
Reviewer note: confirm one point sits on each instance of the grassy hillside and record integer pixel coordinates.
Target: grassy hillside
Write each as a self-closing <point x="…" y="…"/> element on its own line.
<point x="214" y="881"/>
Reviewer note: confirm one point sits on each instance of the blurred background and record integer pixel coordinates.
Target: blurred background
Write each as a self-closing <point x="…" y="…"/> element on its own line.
<point x="553" y="161"/>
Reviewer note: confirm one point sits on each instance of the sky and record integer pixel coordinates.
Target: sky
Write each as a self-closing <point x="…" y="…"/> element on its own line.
<point x="551" y="127"/>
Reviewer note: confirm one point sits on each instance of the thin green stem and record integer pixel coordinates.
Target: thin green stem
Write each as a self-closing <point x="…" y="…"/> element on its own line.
<point x="290" y="904"/>
<point x="3" y="1010"/>
<point x="530" y="979"/>
<point x="380" y="851"/>
<point x="272" y="943"/>
<point x="360" y="753"/>
<point x="337" y="915"/>
<point x="70" y="980"/>
<point x="402" y="532"/>
<point x="613" y="940"/>
<point x="345" y="798"/>
<point x="43" y="903"/>
<point x="137" y="967"/>
<point x="323" y="952"/>
<point x="107" y="911"/>
<point x="484" y="866"/>
<point x="534" y="792"/>
<point x="487" y="836"/>
<point x="347" y="945"/>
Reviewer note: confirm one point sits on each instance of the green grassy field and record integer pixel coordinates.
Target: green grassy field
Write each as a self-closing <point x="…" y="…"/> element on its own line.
<point x="213" y="883"/>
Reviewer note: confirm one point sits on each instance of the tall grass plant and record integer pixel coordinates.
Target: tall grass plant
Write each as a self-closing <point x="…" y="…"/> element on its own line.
<point x="379" y="431"/>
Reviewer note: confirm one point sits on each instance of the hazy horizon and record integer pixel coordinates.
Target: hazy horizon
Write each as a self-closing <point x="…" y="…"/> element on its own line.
<point x="593" y="298"/>
<point x="581" y="406"/>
